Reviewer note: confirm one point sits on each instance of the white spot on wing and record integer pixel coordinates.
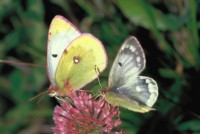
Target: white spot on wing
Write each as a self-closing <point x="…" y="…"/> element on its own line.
<point x="138" y="59"/>
<point x="126" y="46"/>
<point x="132" y="48"/>
<point x="148" y="81"/>
<point x="151" y="88"/>
<point x="122" y="47"/>
<point x="138" y="89"/>
<point x="151" y="100"/>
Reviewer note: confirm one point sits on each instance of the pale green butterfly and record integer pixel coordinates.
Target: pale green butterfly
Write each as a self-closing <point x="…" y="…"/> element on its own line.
<point x="125" y="87"/>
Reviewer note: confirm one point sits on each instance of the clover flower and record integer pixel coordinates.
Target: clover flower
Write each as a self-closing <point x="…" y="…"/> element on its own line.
<point x="84" y="115"/>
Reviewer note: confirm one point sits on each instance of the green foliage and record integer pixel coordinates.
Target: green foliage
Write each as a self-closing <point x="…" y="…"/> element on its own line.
<point x="192" y="125"/>
<point x="168" y="31"/>
<point x="138" y="11"/>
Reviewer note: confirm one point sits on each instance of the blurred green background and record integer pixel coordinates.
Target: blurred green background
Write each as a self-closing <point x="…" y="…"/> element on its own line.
<point x="168" y="31"/>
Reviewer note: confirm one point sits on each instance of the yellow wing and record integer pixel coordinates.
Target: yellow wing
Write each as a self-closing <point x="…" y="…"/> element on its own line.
<point x="61" y="33"/>
<point x="76" y="67"/>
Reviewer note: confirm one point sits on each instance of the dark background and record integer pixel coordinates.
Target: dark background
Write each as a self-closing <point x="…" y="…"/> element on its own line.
<point x="168" y="31"/>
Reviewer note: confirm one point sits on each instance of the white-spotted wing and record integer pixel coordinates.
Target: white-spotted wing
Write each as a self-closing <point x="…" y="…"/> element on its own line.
<point x="126" y="88"/>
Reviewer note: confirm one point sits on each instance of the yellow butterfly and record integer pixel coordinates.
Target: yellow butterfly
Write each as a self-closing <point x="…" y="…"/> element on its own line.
<point x="125" y="87"/>
<point x="72" y="57"/>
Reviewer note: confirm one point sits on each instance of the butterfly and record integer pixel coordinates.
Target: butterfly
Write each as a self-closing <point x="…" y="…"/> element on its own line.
<point x="72" y="57"/>
<point x="125" y="87"/>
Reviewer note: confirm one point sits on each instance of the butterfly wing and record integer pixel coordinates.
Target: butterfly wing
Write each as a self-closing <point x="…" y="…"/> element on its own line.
<point x="138" y="95"/>
<point x="130" y="61"/>
<point x="77" y="65"/>
<point x="126" y="88"/>
<point x="61" y="33"/>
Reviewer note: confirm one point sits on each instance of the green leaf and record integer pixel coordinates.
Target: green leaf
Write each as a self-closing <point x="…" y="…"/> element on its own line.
<point x="192" y="125"/>
<point x="168" y="73"/>
<point x="143" y="14"/>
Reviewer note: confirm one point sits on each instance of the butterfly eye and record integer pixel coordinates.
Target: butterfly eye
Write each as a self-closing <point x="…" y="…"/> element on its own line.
<point x="120" y="64"/>
<point x="54" y="55"/>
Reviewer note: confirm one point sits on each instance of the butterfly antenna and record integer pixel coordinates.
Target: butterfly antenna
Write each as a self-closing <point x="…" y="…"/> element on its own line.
<point x="43" y="93"/>
<point x="40" y="99"/>
<point x="98" y="73"/>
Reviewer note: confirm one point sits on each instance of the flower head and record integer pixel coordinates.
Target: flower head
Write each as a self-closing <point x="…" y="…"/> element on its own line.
<point x="85" y="115"/>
